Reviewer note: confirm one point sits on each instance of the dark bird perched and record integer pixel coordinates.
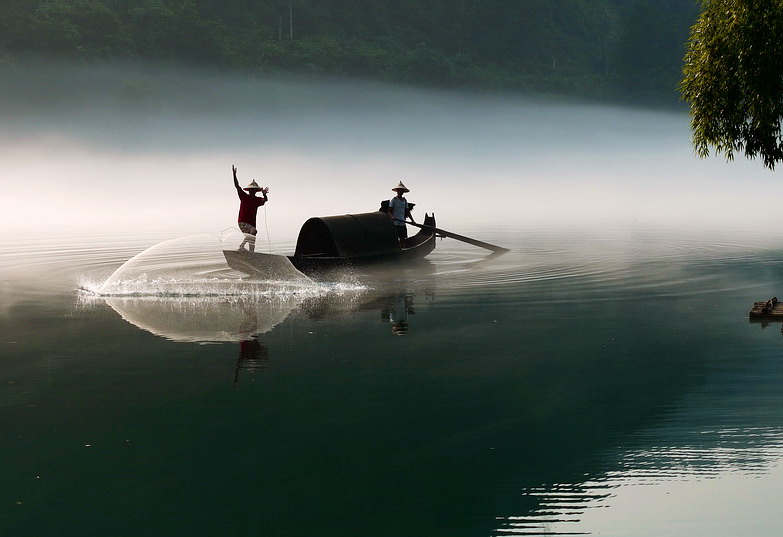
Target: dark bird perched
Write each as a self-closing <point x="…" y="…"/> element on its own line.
<point x="769" y="304"/>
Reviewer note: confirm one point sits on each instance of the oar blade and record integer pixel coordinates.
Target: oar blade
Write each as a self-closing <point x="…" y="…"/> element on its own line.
<point x="463" y="238"/>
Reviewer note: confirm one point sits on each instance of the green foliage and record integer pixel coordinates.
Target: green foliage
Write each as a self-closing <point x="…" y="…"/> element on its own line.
<point x="52" y="22"/>
<point x="733" y="79"/>
<point x="565" y="46"/>
<point x="164" y="30"/>
<point x="651" y="30"/>
<point x="71" y="27"/>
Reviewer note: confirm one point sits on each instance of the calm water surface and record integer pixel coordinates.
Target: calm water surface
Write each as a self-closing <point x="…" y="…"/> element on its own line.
<point x="604" y="382"/>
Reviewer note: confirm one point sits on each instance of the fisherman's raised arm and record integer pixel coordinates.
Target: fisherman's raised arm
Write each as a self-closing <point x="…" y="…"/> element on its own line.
<point x="236" y="181"/>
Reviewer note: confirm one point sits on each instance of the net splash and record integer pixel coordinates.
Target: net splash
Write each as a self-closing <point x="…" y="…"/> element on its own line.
<point x="194" y="266"/>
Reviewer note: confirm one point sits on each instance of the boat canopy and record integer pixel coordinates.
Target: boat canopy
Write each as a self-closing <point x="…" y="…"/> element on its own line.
<point x="350" y="235"/>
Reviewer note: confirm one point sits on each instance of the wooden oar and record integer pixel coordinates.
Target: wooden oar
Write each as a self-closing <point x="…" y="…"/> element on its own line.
<point x="462" y="238"/>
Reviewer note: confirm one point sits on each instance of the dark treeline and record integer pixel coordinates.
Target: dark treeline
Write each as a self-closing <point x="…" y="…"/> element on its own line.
<point x="612" y="48"/>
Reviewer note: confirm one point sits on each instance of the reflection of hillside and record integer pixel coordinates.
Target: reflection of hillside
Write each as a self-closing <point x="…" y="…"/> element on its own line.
<point x="722" y="427"/>
<point x="464" y="427"/>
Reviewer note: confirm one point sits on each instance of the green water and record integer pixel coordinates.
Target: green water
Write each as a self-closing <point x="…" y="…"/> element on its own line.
<point x="603" y="383"/>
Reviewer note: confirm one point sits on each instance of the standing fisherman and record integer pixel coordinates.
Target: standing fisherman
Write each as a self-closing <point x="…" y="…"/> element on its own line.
<point x="248" y="206"/>
<point x="399" y="210"/>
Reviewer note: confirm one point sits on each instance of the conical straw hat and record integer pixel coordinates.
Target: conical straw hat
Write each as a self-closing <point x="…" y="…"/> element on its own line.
<point x="401" y="187"/>
<point x="252" y="186"/>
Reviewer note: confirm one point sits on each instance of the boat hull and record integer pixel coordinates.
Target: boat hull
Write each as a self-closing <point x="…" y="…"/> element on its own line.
<point x="270" y="266"/>
<point x="310" y="265"/>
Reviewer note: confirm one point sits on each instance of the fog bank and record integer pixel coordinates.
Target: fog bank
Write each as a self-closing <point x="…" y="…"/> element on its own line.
<point x="128" y="147"/>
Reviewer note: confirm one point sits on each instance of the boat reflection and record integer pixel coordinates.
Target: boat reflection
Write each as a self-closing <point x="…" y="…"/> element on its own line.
<point x="243" y="320"/>
<point x="765" y="323"/>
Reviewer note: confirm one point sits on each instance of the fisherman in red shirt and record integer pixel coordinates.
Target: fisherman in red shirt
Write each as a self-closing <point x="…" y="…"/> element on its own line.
<point x="248" y="205"/>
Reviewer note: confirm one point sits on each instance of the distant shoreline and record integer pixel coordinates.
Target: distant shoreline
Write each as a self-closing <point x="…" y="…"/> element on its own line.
<point x="621" y="53"/>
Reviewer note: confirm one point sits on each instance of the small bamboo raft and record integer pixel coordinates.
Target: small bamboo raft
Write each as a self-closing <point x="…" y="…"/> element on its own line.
<point x="769" y="309"/>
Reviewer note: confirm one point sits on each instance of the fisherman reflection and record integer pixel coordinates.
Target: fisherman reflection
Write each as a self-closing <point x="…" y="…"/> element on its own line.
<point x="397" y="313"/>
<point x="253" y="355"/>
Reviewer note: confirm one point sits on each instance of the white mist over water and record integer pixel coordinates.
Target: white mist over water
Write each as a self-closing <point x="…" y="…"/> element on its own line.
<point x="127" y="148"/>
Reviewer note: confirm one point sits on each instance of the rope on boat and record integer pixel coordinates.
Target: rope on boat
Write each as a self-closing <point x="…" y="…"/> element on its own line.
<point x="268" y="240"/>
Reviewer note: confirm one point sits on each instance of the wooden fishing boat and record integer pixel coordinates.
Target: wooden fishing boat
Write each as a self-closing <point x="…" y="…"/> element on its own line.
<point x="333" y="242"/>
<point x="769" y="310"/>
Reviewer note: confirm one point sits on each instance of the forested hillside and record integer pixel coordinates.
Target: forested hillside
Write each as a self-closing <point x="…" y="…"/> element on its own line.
<point x="629" y="49"/>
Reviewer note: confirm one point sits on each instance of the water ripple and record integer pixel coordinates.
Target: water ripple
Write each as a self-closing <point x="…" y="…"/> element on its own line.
<point x="608" y="266"/>
<point x="654" y="264"/>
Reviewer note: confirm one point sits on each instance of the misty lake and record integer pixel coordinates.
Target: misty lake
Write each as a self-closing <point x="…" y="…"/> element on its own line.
<point x="601" y="378"/>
